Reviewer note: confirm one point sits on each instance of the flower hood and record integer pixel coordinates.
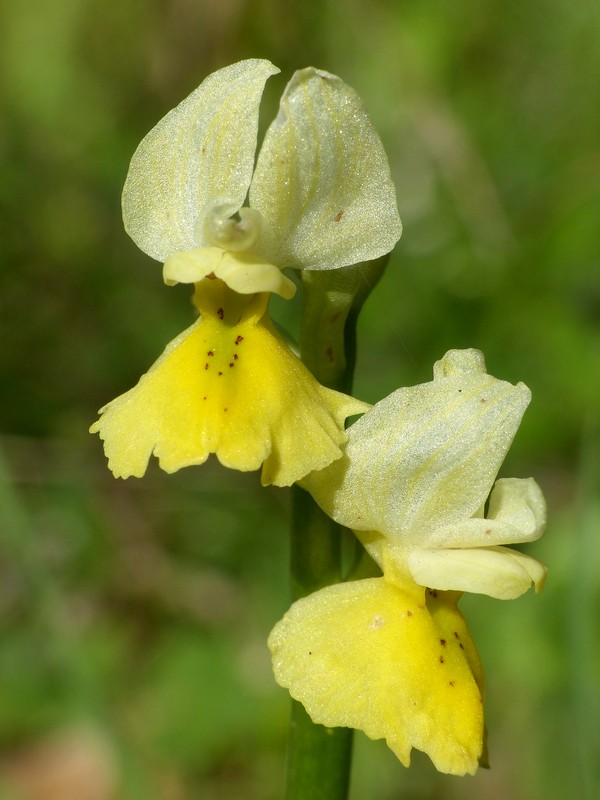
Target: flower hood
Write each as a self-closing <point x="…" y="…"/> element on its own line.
<point x="320" y="196"/>
<point x="417" y="472"/>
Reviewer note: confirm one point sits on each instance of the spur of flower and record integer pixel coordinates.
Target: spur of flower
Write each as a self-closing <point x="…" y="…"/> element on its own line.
<point x="319" y="197"/>
<point x="392" y="655"/>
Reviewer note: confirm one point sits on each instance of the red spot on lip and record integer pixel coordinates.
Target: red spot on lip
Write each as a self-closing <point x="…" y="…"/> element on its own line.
<point x="220" y="313"/>
<point x="219" y="373"/>
<point x="206" y="366"/>
<point x="210" y="353"/>
<point x="443" y="642"/>
<point x="235" y="356"/>
<point x="239" y="339"/>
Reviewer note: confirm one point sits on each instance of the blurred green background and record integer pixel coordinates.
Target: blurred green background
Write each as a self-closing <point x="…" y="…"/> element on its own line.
<point x="133" y="615"/>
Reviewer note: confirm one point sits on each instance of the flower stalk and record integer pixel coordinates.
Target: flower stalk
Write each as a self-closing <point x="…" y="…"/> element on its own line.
<point x="319" y="758"/>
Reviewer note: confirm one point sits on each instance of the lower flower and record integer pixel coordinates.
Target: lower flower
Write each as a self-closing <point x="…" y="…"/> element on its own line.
<point x="227" y="385"/>
<point x="395" y="661"/>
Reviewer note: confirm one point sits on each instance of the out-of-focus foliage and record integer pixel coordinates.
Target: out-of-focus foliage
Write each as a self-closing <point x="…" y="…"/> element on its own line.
<point x="134" y="615"/>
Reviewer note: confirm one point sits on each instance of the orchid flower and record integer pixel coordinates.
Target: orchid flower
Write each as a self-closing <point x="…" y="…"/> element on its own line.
<point x="320" y="197"/>
<point x="392" y="655"/>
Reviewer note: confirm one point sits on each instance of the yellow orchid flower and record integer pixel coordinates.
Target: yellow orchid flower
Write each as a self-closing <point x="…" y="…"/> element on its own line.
<point x="392" y="655"/>
<point x="320" y="197"/>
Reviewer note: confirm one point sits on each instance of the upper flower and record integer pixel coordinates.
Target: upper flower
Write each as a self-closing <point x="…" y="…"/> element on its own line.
<point x="320" y="197"/>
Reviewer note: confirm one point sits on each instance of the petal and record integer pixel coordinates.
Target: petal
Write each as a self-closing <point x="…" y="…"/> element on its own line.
<point x="200" y="153"/>
<point x="240" y="271"/>
<point x="425" y="456"/>
<point x="496" y="571"/>
<point x="228" y="385"/>
<point x="517" y="513"/>
<point x="322" y="180"/>
<point x="370" y="655"/>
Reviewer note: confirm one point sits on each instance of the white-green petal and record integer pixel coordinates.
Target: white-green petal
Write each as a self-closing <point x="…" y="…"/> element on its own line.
<point x="517" y="513"/>
<point x="322" y="181"/>
<point x="496" y="571"/>
<point x="425" y="456"/>
<point x="199" y="154"/>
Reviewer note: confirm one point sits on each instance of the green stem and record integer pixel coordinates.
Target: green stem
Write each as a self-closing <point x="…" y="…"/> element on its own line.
<point x="319" y="758"/>
<point x="322" y="771"/>
<point x="331" y="303"/>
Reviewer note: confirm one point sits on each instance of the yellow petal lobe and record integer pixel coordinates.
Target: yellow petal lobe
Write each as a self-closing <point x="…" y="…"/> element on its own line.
<point x="240" y="271"/>
<point x="227" y="385"/>
<point x="375" y="656"/>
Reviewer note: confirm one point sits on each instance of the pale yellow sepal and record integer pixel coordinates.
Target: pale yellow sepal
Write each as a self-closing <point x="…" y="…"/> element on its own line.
<point x="199" y="154"/>
<point x="383" y="659"/>
<point x="322" y="180"/>
<point x="516" y="513"/>
<point x="425" y="456"/>
<point x="465" y="556"/>
<point x="228" y="385"/>
<point x="240" y="271"/>
<point x="321" y="196"/>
